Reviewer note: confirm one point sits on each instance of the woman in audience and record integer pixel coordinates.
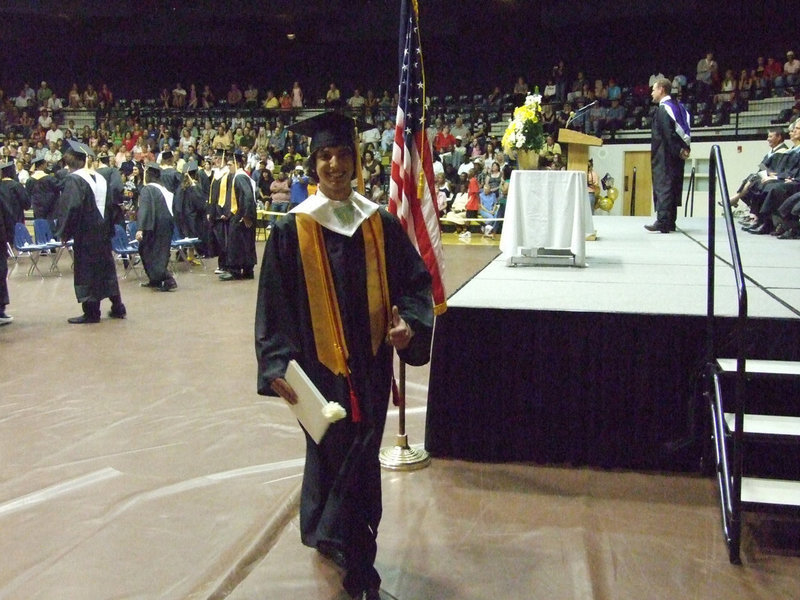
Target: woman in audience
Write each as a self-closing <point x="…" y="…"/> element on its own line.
<point x="297" y="95"/>
<point x="90" y="99"/>
<point x="746" y="84"/>
<point x="74" y="97"/>
<point x="207" y="98"/>
<point x="191" y="104"/>
<point x="372" y="172"/>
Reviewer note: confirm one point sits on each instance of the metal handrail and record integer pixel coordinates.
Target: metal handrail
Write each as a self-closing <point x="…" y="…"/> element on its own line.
<point x="717" y="171"/>
<point x="689" y="195"/>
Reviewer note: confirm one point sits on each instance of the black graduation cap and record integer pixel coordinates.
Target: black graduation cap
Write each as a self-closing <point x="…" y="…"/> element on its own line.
<point x="238" y="155"/>
<point x="37" y="159"/>
<point x="6" y="165"/>
<point x="153" y="166"/>
<point x="220" y="152"/>
<point x="190" y="166"/>
<point x="166" y="154"/>
<point x="76" y="147"/>
<point x="330" y="129"/>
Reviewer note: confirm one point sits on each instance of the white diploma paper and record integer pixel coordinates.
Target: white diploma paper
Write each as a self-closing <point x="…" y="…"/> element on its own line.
<point x="310" y="402"/>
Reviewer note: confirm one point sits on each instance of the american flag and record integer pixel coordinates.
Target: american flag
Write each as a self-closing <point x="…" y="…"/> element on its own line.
<point x="412" y="191"/>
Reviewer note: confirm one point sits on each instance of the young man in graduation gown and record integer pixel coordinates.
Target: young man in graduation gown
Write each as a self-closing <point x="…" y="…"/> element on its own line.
<point x="218" y="212"/>
<point x="12" y="193"/>
<point x="170" y="176"/>
<point x="85" y="216"/>
<point x="189" y="209"/>
<point x="241" y="203"/>
<point x="43" y="189"/>
<point x="7" y="223"/>
<point x="340" y="288"/>
<point x="669" y="150"/>
<point x="154" y="230"/>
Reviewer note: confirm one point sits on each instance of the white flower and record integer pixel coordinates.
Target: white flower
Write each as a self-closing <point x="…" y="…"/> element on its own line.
<point x="333" y="411"/>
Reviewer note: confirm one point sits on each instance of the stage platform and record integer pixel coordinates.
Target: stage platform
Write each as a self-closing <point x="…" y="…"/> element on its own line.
<point x="598" y="365"/>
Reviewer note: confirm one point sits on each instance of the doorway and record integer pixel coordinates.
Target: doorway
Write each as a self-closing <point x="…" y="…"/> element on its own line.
<point x="643" y="202"/>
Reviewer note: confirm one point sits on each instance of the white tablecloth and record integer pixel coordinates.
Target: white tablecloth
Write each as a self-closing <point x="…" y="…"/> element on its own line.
<point x="547" y="209"/>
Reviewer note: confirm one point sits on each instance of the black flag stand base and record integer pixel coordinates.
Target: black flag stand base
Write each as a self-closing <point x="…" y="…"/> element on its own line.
<point x="401" y="457"/>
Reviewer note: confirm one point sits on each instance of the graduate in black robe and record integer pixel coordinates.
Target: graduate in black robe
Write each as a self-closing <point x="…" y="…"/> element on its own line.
<point x="170" y="177"/>
<point x="218" y="211"/>
<point x="668" y="153"/>
<point x="241" y="250"/>
<point x="7" y="223"/>
<point x="43" y="189"/>
<point x="85" y="216"/>
<point x="155" y="225"/>
<point x="12" y="193"/>
<point x="340" y="507"/>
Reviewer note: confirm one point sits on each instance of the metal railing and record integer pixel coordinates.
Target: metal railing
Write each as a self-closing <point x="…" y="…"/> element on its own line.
<point x="729" y="476"/>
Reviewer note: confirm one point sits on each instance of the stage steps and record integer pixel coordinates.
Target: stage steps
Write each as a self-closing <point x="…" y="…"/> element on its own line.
<point x="756" y="451"/>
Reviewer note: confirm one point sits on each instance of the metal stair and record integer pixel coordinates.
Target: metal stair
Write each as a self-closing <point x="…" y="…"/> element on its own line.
<point x="747" y="402"/>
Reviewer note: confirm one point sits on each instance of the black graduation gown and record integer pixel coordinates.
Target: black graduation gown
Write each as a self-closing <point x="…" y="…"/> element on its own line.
<point x="7" y="224"/>
<point x="155" y="222"/>
<point x="241" y="238"/>
<point x="171" y="179"/>
<point x="115" y="212"/>
<point x="43" y="191"/>
<point x="667" y="166"/>
<point x="14" y="195"/>
<point x="79" y="219"/>
<point x="341" y="493"/>
<point x="218" y="226"/>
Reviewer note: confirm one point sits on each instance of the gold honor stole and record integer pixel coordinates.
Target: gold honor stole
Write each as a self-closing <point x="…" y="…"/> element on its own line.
<point x="223" y="192"/>
<point x="326" y="320"/>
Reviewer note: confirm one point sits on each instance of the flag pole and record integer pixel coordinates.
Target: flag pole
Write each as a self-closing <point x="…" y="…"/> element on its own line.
<point x="412" y="201"/>
<point x="401" y="456"/>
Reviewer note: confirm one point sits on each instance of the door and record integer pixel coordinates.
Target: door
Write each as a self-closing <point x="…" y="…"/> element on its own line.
<point x="643" y="203"/>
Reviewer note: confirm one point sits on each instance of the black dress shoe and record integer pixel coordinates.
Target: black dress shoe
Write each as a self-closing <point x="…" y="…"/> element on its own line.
<point x="657" y="227"/>
<point x="150" y="284"/>
<point x="762" y="229"/>
<point x="790" y="234"/>
<point x="118" y="312"/>
<point x="83" y="319"/>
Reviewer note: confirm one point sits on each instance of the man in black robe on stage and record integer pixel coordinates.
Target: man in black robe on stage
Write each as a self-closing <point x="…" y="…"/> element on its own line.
<point x="12" y="193"/>
<point x="340" y="288"/>
<point x="154" y="232"/>
<point x="241" y="251"/>
<point x="86" y="216"/>
<point x="669" y="151"/>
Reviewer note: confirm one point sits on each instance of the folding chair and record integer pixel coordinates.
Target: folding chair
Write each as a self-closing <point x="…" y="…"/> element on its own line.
<point x="127" y="253"/>
<point x="24" y="245"/>
<point x="180" y="245"/>
<point x="43" y="235"/>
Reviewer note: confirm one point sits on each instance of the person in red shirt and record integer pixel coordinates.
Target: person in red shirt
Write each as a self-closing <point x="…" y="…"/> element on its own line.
<point x="444" y="141"/>
<point x="473" y="195"/>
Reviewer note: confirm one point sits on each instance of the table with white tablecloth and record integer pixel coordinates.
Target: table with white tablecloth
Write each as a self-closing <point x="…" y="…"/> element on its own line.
<point x="547" y="209"/>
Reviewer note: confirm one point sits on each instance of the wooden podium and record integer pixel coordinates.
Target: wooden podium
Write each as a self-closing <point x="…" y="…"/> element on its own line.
<point x="577" y="148"/>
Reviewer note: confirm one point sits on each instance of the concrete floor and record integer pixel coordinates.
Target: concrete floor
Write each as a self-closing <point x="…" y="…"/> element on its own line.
<point x="139" y="463"/>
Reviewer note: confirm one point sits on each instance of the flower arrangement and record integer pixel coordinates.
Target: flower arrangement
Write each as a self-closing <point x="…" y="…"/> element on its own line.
<point x="524" y="131"/>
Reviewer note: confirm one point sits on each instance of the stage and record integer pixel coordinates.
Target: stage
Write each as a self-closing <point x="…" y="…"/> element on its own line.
<point x="598" y="365"/>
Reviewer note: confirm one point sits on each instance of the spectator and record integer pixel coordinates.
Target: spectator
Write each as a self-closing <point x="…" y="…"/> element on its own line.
<point x="43" y="94"/>
<point x="271" y="102"/>
<point x="706" y="74"/>
<point x="251" y="96"/>
<point x="444" y="141"/>
<point x="179" y="96"/>
<point x="207" y="98"/>
<point x="193" y="99"/>
<point x="356" y="101"/>
<point x="45" y="120"/>
<point x="791" y="70"/>
<point x="297" y="95"/>
<point x="234" y="96"/>
<point x="285" y="101"/>
<point x="333" y="96"/>
<point x="90" y="99"/>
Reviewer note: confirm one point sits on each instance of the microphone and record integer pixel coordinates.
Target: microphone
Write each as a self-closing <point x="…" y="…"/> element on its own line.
<point x="579" y="111"/>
